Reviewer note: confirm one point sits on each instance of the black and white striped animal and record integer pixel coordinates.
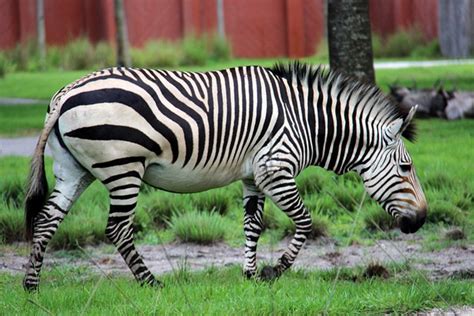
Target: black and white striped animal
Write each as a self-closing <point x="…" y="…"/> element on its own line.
<point x="191" y="131"/>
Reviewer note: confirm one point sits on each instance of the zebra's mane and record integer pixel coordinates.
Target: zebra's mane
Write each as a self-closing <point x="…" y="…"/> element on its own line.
<point x="309" y="75"/>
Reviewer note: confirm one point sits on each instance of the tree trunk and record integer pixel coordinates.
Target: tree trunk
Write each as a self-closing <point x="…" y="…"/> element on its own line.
<point x="456" y="22"/>
<point x="123" y="56"/>
<point x="41" y="39"/>
<point x="349" y="37"/>
<point x="220" y="18"/>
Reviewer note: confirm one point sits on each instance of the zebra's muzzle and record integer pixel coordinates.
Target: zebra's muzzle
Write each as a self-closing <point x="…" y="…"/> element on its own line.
<point x="410" y="225"/>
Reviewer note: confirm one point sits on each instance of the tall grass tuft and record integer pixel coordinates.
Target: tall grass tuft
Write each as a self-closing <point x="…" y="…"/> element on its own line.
<point x="195" y="51"/>
<point x="78" y="55"/>
<point x="198" y="227"/>
<point x="11" y="225"/>
<point x="12" y="191"/>
<point x="157" y="54"/>
<point x="445" y="212"/>
<point x="217" y="201"/>
<point x="375" y="218"/>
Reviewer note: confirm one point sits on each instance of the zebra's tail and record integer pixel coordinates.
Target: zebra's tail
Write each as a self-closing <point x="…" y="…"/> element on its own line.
<point x="37" y="188"/>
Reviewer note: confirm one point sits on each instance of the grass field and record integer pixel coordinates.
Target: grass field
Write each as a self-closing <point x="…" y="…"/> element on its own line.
<point x="216" y="291"/>
<point x="443" y="158"/>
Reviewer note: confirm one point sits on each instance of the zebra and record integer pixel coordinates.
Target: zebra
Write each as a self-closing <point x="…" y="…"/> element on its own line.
<point x="192" y="131"/>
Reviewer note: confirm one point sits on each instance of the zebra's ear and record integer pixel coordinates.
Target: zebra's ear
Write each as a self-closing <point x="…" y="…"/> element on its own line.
<point x="394" y="129"/>
<point x="408" y="119"/>
<point x="397" y="127"/>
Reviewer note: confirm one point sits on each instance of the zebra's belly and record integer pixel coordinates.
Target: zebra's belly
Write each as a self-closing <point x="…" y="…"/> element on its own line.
<point x="175" y="179"/>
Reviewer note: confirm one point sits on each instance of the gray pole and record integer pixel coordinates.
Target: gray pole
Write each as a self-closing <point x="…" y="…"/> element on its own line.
<point x="41" y="40"/>
<point x="123" y="56"/>
<point x="220" y="18"/>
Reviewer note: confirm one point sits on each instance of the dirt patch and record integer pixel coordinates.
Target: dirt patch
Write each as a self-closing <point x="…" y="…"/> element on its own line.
<point x="456" y="262"/>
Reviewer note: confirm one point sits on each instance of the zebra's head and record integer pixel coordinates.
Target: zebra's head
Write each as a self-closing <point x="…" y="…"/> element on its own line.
<point x="390" y="178"/>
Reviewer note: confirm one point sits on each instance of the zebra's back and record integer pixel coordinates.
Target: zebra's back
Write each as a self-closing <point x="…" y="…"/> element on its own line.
<point x="194" y="131"/>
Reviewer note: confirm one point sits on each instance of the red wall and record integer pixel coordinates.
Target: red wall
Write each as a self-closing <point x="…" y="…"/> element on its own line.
<point x="256" y="28"/>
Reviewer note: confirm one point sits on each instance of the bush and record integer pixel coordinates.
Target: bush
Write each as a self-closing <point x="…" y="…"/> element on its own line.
<point x="377" y="46"/>
<point x="219" y="48"/>
<point x="401" y="43"/>
<point x="441" y="211"/>
<point x="11" y="225"/>
<point x="198" y="227"/>
<point x="161" y="208"/>
<point x="3" y="65"/>
<point x="195" y="51"/>
<point x="12" y="191"/>
<point x="78" y="55"/>
<point x="430" y="50"/>
<point x="157" y="54"/>
<point x="104" y="55"/>
<point x="214" y="201"/>
<point x="375" y="218"/>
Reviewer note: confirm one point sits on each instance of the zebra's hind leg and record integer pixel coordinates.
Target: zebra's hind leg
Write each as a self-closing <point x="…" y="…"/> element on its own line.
<point x="71" y="181"/>
<point x="281" y="189"/>
<point x="124" y="189"/>
<point x="253" y="223"/>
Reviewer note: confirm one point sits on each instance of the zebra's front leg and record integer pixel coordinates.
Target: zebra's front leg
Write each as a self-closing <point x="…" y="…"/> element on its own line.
<point x="281" y="188"/>
<point x="253" y="223"/>
<point x="119" y="230"/>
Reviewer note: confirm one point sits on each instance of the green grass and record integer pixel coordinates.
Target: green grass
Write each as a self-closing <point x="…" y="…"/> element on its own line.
<point x="20" y="120"/>
<point x="217" y="291"/>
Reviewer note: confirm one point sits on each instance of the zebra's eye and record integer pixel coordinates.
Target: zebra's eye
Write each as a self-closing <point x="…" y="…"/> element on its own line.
<point x="405" y="167"/>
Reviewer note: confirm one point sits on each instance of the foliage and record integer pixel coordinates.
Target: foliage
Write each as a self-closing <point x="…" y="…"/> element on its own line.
<point x="157" y="54"/>
<point x="198" y="227"/>
<point x="195" y="51"/>
<point x="376" y="218"/>
<point x="405" y="43"/>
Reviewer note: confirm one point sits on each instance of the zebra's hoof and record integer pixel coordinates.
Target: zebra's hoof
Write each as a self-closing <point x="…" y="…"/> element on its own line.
<point x="154" y="284"/>
<point x="30" y="286"/>
<point x="250" y="274"/>
<point x="269" y="274"/>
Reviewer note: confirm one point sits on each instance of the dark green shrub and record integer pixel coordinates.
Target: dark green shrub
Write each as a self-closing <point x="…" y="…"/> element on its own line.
<point x="376" y="218"/>
<point x="401" y="43"/>
<point x="80" y="230"/>
<point x="78" y="54"/>
<point x="377" y="46"/>
<point x="54" y="57"/>
<point x="3" y="65"/>
<point x="161" y="207"/>
<point x="12" y="191"/>
<point x="157" y="54"/>
<point x="441" y="211"/>
<point x="310" y="184"/>
<point x="11" y="225"/>
<point x="439" y="180"/>
<point x="219" y="48"/>
<point x="195" y="52"/>
<point x="104" y="55"/>
<point x="429" y="50"/>
<point x="214" y="201"/>
<point x="198" y="227"/>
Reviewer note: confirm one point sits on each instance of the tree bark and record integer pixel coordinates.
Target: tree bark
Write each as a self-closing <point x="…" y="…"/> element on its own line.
<point x="123" y="55"/>
<point x="349" y="37"/>
<point x="456" y="22"/>
<point x="41" y="34"/>
<point x="220" y="18"/>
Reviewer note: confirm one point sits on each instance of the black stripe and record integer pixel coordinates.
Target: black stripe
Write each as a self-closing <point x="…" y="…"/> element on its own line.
<point x="133" y="174"/>
<point x="130" y="99"/>
<point x="124" y="187"/>
<point x="119" y="162"/>
<point x="116" y="132"/>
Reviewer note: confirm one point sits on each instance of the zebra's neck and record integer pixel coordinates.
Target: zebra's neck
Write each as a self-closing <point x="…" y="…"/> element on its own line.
<point x="337" y="128"/>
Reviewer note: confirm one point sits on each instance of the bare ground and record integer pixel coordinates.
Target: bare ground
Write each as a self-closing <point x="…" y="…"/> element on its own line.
<point x="321" y="254"/>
